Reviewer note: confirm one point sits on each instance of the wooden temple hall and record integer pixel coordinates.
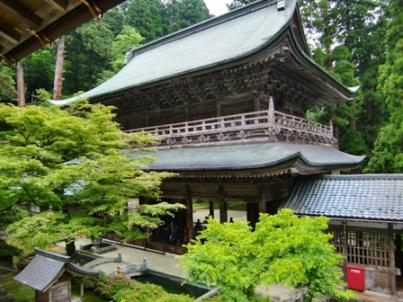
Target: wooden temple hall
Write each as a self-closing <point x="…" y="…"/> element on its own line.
<point x="228" y="97"/>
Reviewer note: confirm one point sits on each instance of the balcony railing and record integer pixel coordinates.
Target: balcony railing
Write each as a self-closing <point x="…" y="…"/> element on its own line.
<point x="251" y="126"/>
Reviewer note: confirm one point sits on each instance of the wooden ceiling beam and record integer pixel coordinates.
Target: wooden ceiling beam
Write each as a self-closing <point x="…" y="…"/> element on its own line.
<point x="9" y="33"/>
<point x="27" y="16"/>
<point x="59" y="4"/>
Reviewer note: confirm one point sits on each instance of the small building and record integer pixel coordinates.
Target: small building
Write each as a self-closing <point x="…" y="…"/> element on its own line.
<point x="366" y="220"/>
<point x="50" y="275"/>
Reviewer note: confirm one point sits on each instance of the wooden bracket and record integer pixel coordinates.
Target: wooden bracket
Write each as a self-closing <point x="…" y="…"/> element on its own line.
<point x="95" y="11"/>
<point x="44" y="40"/>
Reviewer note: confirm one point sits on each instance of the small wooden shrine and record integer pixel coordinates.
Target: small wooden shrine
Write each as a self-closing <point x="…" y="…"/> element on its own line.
<point x="50" y="275"/>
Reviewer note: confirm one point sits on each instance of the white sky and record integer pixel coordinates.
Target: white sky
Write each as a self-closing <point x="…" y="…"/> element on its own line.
<point x="217" y="7"/>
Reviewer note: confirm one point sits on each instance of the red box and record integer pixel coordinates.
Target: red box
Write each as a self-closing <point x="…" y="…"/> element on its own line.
<point x="355" y="277"/>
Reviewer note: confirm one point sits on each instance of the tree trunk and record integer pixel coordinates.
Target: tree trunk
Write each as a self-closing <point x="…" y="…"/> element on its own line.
<point x="58" y="83"/>
<point x="20" y="85"/>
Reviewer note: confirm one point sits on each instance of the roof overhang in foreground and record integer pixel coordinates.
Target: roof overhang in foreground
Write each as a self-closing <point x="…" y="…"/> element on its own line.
<point x="360" y="197"/>
<point x="27" y="25"/>
<point x="259" y="157"/>
<point x="239" y="37"/>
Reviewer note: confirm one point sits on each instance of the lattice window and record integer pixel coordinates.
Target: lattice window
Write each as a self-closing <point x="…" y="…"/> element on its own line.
<point x="366" y="247"/>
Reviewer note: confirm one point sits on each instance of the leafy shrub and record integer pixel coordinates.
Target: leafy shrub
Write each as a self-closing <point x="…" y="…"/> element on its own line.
<point x="283" y="248"/>
<point x="125" y="290"/>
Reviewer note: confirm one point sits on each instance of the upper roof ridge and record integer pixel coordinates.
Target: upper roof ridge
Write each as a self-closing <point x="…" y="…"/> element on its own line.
<point x="203" y="25"/>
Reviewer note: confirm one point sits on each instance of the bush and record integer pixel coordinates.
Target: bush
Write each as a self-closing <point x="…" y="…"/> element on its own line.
<point x="125" y="290"/>
<point x="282" y="249"/>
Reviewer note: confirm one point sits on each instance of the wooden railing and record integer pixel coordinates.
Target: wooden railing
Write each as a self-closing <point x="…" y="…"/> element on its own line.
<point x="256" y="125"/>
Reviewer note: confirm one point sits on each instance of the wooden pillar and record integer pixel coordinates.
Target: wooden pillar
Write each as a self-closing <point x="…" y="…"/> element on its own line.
<point x="223" y="206"/>
<point x="252" y="213"/>
<point x="20" y="85"/>
<point x="345" y="248"/>
<point x="211" y="208"/>
<point x="263" y="200"/>
<point x="82" y="291"/>
<point x="392" y="265"/>
<point x="189" y="214"/>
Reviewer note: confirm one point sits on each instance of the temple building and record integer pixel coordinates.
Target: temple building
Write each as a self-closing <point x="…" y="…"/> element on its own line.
<point x="228" y="98"/>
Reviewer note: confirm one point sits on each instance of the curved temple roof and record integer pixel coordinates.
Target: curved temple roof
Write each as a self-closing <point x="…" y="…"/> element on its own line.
<point x="235" y="35"/>
<point x="250" y="156"/>
<point x="363" y="196"/>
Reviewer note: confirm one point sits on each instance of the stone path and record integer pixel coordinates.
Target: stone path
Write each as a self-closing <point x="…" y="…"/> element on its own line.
<point x="165" y="263"/>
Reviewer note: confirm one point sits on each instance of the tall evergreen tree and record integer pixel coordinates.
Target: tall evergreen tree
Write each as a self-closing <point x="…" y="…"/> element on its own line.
<point x="147" y="17"/>
<point x="183" y="13"/>
<point x="388" y="151"/>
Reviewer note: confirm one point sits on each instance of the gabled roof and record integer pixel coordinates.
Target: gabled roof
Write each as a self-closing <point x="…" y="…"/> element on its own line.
<point x="250" y="156"/>
<point x="46" y="267"/>
<point x="238" y="35"/>
<point x="362" y="196"/>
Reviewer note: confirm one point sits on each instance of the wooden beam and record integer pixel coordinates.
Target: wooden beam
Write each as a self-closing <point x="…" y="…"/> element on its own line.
<point x="9" y="33"/>
<point x="29" y="17"/>
<point x="59" y="4"/>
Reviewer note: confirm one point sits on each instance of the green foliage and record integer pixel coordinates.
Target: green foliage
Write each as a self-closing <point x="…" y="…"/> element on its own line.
<point x="183" y="13"/>
<point x="7" y="83"/>
<point x="19" y="291"/>
<point x="233" y="258"/>
<point x="388" y="151"/>
<point x="69" y="159"/>
<point x="146" y="16"/>
<point x="124" y="41"/>
<point x="39" y="69"/>
<point x="125" y="290"/>
<point x="348" y="39"/>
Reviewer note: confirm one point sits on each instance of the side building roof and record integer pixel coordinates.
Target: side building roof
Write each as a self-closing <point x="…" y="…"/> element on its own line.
<point x="238" y="35"/>
<point x="362" y="196"/>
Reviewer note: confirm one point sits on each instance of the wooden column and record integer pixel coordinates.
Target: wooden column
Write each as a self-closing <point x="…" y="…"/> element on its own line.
<point x="345" y="248"/>
<point x="392" y="265"/>
<point x="263" y="200"/>
<point x="81" y="290"/>
<point x="189" y="214"/>
<point x="223" y="206"/>
<point x="252" y="213"/>
<point x="211" y="208"/>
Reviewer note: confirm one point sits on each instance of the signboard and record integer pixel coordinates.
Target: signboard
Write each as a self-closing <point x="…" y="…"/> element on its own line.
<point x="60" y="292"/>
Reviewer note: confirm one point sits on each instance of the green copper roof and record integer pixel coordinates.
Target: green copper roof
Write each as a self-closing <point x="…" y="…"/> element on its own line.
<point x="215" y="41"/>
<point x="250" y="156"/>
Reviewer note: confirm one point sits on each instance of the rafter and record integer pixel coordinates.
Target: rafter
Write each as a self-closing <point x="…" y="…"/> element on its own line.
<point x="29" y="17"/>
<point x="59" y="4"/>
<point x="9" y="33"/>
